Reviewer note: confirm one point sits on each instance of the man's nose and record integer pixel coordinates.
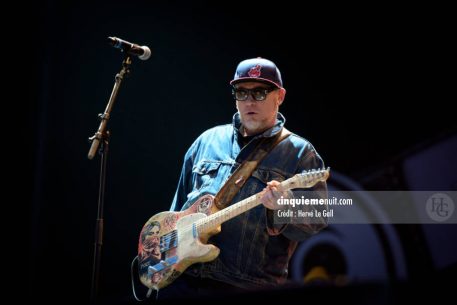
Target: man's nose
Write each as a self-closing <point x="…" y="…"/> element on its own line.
<point x="250" y="99"/>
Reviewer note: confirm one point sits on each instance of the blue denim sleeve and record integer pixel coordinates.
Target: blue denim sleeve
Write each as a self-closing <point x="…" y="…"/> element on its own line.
<point x="302" y="230"/>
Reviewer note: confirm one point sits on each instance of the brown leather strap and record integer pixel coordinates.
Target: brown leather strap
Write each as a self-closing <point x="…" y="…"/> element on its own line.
<point x="244" y="171"/>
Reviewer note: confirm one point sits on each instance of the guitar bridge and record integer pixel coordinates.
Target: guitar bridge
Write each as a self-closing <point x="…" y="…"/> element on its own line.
<point x="162" y="265"/>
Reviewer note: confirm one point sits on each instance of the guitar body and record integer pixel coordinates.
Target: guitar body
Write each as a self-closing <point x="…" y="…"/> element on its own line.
<point x="172" y="241"/>
<point x="169" y="243"/>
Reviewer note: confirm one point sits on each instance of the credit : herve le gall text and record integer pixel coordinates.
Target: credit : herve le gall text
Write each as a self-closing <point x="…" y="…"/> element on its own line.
<point x="301" y="213"/>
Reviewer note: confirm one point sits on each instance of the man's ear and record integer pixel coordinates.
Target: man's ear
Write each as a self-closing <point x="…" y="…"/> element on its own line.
<point x="282" y="96"/>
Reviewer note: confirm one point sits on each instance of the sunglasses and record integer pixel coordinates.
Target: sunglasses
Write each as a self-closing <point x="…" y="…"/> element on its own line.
<point x="257" y="93"/>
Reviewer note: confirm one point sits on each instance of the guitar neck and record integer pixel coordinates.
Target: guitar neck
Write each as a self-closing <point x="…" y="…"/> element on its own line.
<point x="218" y="218"/>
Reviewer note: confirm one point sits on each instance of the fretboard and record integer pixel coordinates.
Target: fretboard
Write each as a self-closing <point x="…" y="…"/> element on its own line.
<point x="214" y="220"/>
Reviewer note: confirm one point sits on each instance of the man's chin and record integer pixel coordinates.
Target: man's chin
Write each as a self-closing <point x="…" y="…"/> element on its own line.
<point x="253" y="128"/>
<point x="251" y="124"/>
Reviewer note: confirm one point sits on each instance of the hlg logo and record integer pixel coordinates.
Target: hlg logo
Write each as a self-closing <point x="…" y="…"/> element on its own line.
<point x="440" y="207"/>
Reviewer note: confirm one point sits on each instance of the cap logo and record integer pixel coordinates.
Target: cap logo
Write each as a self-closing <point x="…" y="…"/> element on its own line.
<point x="255" y="71"/>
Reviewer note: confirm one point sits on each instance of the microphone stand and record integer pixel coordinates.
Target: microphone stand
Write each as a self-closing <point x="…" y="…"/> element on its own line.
<point x="101" y="138"/>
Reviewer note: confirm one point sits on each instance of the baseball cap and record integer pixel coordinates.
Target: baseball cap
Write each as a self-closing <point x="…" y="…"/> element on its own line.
<point x="259" y="70"/>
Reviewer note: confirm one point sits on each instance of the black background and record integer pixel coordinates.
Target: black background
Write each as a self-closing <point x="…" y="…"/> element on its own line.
<point x="364" y="84"/>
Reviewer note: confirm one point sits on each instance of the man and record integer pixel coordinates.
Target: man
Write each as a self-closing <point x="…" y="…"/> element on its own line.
<point x="254" y="249"/>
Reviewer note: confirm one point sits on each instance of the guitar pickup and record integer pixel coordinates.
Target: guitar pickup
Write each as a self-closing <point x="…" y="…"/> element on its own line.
<point x="162" y="265"/>
<point x="168" y="241"/>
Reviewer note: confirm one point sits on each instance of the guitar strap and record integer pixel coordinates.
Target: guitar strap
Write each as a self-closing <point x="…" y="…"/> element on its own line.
<point x="236" y="181"/>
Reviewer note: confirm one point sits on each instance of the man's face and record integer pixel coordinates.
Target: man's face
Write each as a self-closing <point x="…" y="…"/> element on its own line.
<point x="258" y="116"/>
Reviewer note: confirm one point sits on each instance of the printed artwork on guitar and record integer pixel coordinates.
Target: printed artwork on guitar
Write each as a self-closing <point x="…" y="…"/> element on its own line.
<point x="172" y="241"/>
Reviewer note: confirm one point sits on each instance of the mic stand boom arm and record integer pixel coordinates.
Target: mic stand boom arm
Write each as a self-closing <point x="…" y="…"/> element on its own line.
<point x="101" y="138"/>
<point x="99" y="135"/>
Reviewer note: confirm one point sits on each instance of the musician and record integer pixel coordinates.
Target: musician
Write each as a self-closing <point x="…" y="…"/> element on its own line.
<point x="254" y="249"/>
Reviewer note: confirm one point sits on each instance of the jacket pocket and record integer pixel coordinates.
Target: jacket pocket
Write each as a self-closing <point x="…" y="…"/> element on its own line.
<point x="267" y="175"/>
<point x="204" y="173"/>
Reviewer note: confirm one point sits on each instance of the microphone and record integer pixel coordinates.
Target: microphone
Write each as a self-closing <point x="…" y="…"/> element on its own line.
<point x="143" y="52"/>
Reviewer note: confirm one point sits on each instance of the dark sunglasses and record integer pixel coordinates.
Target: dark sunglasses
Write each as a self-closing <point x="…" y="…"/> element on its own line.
<point x="257" y="93"/>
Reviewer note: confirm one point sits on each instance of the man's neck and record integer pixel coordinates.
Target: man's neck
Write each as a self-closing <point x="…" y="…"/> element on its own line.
<point x="246" y="133"/>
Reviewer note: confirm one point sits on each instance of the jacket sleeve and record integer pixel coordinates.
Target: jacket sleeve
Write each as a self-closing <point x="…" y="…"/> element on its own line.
<point x="301" y="228"/>
<point x="185" y="180"/>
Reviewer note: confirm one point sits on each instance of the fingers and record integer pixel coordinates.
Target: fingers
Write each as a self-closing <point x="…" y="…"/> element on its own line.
<point x="269" y="199"/>
<point x="270" y="194"/>
<point x="273" y="183"/>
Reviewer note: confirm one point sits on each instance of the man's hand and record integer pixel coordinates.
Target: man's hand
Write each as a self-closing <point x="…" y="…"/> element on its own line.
<point x="271" y="194"/>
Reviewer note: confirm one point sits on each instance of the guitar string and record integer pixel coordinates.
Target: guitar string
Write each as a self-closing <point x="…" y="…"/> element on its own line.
<point x="170" y="238"/>
<point x="166" y="239"/>
<point x="208" y="219"/>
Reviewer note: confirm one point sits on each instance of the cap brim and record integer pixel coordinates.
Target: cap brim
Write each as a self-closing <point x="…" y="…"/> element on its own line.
<point x="254" y="79"/>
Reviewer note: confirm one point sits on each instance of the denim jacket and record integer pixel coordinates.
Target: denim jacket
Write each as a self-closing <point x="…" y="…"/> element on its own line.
<point x="254" y="251"/>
